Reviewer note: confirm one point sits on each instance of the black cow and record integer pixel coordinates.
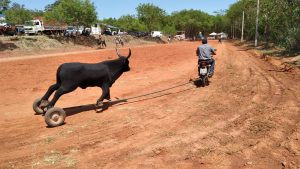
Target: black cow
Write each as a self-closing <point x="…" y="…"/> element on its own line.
<point x="69" y="76"/>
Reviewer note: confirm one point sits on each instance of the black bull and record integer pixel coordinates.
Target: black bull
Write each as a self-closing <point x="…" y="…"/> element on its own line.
<point x="69" y="76"/>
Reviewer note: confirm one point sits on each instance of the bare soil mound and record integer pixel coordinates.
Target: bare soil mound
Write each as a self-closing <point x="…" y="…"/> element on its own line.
<point x="36" y="45"/>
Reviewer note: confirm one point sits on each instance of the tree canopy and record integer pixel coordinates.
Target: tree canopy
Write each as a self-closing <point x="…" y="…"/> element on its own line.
<point x="5" y="3"/>
<point x="72" y="12"/>
<point x="151" y="15"/>
<point x="279" y="21"/>
<point x="17" y="14"/>
<point x="192" y="22"/>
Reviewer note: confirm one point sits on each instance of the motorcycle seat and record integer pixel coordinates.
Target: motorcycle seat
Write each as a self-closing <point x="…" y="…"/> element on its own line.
<point x="203" y="62"/>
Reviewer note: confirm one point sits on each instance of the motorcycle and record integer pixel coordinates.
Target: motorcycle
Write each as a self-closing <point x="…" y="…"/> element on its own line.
<point x="203" y="68"/>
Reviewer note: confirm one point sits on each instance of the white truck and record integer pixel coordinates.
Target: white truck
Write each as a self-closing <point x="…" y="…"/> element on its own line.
<point x="37" y="26"/>
<point x="96" y="29"/>
<point x="180" y="35"/>
<point x="156" y="34"/>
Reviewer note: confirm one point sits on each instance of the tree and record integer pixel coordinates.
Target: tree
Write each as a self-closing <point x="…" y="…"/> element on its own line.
<point x="37" y="13"/>
<point x="110" y="21"/>
<point x="49" y="7"/>
<point x="89" y="13"/>
<point x="5" y="3"/>
<point x="72" y="12"/>
<point x="193" y="22"/>
<point x="221" y="22"/>
<point x="130" y="23"/>
<point x="151" y="15"/>
<point x="17" y="14"/>
<point x="169" y="26"/>
<point x="126" y="22"/>
<point x="279" y="21"/>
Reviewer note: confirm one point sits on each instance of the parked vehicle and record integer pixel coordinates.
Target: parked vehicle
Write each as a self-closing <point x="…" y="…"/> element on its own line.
<point x="211" y="37"/>
<point x="8" y="29"/>
<point x="180" y="35"/>
<point x="223" y="35"/>
<point x="73" y="31"/>
<point x="96" y="29"/>
<point x="20" y="29"/>
<point x="86" y="32"/>
<point x="156" y="34"/>
<point x="37" y="26"/>
<point x="110" y="30"/>
<point x="122" y="32"/>
<point x="138" y="33"/>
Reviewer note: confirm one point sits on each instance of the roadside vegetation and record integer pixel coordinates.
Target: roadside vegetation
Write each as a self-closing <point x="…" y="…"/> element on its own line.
<point x="279" y="20"/>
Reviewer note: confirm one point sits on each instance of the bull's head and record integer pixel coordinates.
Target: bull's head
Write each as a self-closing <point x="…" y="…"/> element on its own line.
<point x="125" y="60"/>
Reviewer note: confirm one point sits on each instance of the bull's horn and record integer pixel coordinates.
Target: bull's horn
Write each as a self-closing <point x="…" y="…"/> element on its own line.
<point x="117" y="50"/>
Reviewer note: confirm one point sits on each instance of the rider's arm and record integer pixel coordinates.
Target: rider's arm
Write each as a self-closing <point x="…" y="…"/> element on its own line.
<point x="197" y="52"/>
<point x="213" y="51"/>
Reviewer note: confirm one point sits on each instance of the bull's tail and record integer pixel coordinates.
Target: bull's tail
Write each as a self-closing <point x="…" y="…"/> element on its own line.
<point x="58" y="80"/>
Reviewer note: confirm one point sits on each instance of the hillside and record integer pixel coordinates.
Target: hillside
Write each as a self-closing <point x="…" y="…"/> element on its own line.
<point x="11" y="46"/>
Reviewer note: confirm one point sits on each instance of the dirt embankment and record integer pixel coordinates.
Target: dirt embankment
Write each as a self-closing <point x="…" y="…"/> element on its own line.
<point x="248" y="117"/>
<point x="284" y="59"/>
<point x="11" y="46"/>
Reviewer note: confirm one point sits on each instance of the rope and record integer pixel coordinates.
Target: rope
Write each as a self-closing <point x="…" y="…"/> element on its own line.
<point x="158" y="91"/>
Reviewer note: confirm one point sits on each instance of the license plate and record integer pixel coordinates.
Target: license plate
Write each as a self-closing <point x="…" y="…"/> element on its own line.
<point x="203" y="71"/>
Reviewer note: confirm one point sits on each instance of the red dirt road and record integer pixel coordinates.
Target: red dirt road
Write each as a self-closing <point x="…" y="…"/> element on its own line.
<point x="248" y="117"/>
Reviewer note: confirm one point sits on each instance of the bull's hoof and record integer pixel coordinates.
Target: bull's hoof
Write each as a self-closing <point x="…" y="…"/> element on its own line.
<point x="47" y="108"/>
<point x="99" y="103"/>
<point x="38" y="106"/>
<point x="44" y="103"/>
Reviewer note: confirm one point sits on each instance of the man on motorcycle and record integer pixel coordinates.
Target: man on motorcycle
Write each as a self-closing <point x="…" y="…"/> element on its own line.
<point x="205" y="52"/>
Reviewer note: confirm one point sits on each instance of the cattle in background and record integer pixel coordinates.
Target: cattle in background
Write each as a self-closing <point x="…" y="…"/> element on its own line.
<point x="119" y="41"/>
<point x="69" y="76"/>
<point x="8" y="29"/>
<point x="101" y="42"/>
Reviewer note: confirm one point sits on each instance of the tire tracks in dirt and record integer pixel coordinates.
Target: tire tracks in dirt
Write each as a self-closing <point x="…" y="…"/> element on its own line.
<point x="271" y="95"/>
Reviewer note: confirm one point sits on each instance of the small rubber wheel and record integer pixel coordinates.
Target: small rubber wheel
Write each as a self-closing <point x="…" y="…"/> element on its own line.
<point x="37" y="107"/>
<point x="206" y="82"/>
<point x="203" y="83"/>
<point x="55" y="116"/>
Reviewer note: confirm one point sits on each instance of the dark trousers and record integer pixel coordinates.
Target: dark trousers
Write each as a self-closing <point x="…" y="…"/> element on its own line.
<point x="212" y="66"/>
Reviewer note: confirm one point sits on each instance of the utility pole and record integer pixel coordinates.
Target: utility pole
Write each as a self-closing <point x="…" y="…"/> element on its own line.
<point x="233" y="31"/>
<point x="256" y="33"/>
<point x="242" y="37"/>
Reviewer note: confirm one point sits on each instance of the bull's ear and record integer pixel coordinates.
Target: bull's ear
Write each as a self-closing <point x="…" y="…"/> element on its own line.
<point x="118" y="52"/>
<point x="129" y="54"/>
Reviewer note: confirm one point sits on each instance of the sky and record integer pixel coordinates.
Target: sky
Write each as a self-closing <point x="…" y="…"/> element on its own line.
<point x="117" y="8"/>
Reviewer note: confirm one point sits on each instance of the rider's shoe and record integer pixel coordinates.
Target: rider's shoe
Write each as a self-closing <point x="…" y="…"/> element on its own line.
<point x="210" y="75"/>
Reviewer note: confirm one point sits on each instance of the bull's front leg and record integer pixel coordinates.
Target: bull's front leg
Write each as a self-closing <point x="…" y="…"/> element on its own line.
<point x="105" y="94"/>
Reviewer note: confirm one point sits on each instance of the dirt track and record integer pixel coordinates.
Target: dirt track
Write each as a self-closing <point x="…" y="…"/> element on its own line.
<point x="248" y="117"/>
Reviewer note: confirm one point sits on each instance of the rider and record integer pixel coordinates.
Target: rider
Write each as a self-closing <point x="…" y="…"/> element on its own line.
<point x="205" y="52"/>
<point x="101" y="41"/>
